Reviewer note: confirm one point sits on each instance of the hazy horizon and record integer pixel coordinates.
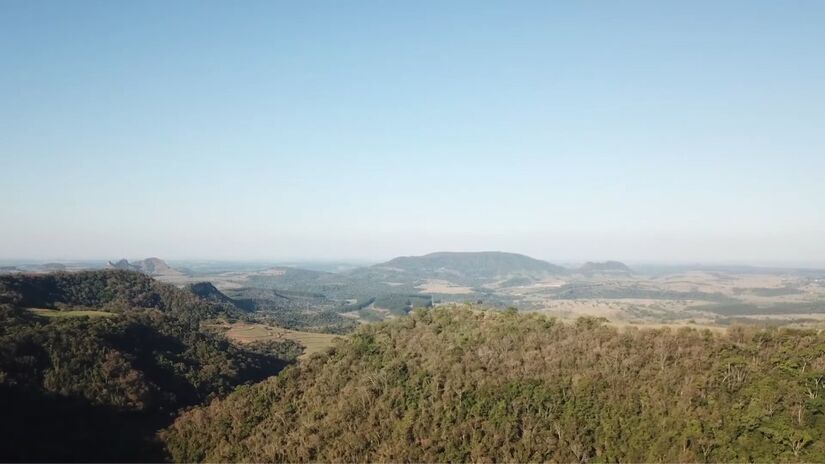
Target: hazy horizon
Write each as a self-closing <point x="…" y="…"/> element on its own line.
<point x="368" y="261"/>
<point x="640" y="131"/>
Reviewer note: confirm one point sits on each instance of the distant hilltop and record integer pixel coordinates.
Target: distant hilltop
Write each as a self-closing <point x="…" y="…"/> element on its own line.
<point x="150" y="266"/>
<point x="483" y="265"/>
<point x="604" y="267"/>
<point x="488" y="265"/>
<point x="36" y="268"/>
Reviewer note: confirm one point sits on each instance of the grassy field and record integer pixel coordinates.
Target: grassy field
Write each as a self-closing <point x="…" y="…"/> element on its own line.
<point x="79" y="313"/>
<point x="443" y="287"/>
<point x="243" y="332"/>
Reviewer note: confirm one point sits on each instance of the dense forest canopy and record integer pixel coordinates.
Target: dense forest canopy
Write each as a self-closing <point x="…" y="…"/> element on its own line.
<point x="109" y="290"/>
<point x="81" y="388"/>
<point x="466" y="385"/>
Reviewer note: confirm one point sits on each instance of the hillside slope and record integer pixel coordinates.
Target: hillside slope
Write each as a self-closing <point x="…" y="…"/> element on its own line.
<point x="108" y="290"/>
<point x="461" y="385"/>
<point x="208" y="292"/>
<point x="82" y="388"/>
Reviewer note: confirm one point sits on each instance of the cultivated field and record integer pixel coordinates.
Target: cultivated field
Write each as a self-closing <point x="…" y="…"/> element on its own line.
<point x="443" y="287"/>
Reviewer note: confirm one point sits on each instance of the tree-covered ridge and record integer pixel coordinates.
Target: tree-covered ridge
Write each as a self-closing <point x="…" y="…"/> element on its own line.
<point x="109" y="290"/>
<point x="138" y="361"/>
<point x="81" y="388"/>
<point x="463" y="385"/>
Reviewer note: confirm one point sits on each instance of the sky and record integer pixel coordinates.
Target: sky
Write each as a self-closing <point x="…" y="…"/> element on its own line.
<point x="656" y="131"/>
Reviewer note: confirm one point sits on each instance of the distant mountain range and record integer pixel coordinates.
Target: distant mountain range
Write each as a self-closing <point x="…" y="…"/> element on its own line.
<point x="46" y="267"/>
<point x="150" y="266"/>
<point x="489" y="265"/>
<point x="476" y="266"/>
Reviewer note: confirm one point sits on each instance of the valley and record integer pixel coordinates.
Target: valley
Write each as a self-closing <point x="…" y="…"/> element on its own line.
<point x="319" y="300"/>
<point x="715" y="296"/>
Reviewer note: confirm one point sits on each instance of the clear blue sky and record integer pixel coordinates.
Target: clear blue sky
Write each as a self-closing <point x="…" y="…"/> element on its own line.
<point x="654" y="131"/>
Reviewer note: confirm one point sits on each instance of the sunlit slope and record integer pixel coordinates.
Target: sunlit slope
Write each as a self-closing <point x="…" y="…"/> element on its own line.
<point x="462" y="385"/>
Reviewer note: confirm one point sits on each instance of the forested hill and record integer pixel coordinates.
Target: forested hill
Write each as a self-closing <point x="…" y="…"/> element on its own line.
<point x="462" y="385"/>
<point x="604" y="267"/>
<point x="486" y="264"/>
<point x="105" y="360"/>
<point x="108" y="290"/>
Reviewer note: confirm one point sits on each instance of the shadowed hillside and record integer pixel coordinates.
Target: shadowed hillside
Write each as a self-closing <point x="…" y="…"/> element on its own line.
<point x="83" y="388"/>
<point x="109" y="290"/>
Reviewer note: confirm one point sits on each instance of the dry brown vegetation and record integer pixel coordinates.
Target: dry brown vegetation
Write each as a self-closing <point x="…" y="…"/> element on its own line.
<point x="245" y="333"/>
<point x="452" y="384"/>
<point x="443" y="287"/>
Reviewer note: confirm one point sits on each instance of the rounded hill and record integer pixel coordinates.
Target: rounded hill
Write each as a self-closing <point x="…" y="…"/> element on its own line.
<point x="479" y="265"/>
